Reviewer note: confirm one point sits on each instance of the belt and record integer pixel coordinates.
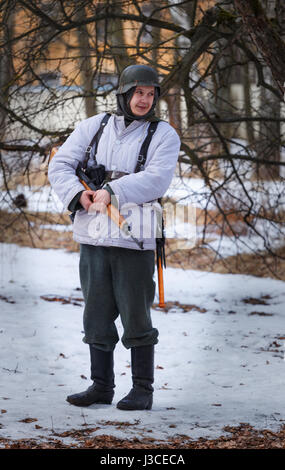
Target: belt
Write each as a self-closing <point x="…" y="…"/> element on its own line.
<point x="114" y="175"/>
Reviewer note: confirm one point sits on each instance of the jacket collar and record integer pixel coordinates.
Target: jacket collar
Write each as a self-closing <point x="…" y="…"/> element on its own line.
<point x="121" y="128"/>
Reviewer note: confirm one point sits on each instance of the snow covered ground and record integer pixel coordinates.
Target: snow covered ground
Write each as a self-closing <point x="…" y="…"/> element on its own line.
<point x="219" y="364"/>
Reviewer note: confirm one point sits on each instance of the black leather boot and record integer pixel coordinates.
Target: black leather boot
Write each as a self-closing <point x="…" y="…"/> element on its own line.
<point x="140" y="396"/>
<point x="102" y="374"/>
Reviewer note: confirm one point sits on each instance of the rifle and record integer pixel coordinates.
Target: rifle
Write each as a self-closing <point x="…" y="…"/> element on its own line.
<point x="119" y="220"/>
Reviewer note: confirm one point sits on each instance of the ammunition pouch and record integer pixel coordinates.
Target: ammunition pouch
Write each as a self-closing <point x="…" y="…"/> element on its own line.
<point x="96" y="174"/>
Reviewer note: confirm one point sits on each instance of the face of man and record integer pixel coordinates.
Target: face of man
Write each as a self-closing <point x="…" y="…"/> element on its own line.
<point x="142" y="100"/>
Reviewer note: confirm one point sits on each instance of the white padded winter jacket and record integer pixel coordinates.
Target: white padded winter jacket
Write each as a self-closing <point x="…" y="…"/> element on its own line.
<point x="136" y="193"/>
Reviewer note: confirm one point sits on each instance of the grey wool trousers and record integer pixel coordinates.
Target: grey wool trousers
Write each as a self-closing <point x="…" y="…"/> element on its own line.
<point x="117" y="281"/>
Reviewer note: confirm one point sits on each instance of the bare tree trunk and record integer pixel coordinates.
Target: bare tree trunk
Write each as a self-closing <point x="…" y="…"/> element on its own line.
<point x="269" y="142"/>
<point x="173" y="100"/>
<point x="156" y="37"/>
<point x="266" y="38"/>
<point x="6" y="61"/>
<point x="85" y="64"/>
<point x="191" y="9"/>
<point x="222" y="105"/>
<point x="247" y="104"/>
<point x="116" y="39"/>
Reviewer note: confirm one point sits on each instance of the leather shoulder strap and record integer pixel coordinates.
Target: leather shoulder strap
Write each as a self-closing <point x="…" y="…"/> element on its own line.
<point x="144" y="148"/>
<point x="95" y="140"/>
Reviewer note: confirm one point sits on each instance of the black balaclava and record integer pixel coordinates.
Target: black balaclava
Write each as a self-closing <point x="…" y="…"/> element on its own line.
<point x="123" y="107"/>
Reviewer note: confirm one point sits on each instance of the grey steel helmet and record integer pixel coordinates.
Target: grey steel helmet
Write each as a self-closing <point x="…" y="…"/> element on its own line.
<point x="137" y="75"/>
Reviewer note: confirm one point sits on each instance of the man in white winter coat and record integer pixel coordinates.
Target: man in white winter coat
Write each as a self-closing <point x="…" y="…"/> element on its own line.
<point x="138" y="154"/>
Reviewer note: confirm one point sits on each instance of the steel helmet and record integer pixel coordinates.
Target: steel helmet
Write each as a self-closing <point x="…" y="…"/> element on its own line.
<point x="137" y="75"/>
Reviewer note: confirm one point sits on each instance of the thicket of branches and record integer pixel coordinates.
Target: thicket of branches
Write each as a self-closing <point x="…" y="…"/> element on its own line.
<point x="221" y="65"/>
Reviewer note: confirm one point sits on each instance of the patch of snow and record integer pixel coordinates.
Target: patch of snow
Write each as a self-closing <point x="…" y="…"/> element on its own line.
<point x="221" y="367"/>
